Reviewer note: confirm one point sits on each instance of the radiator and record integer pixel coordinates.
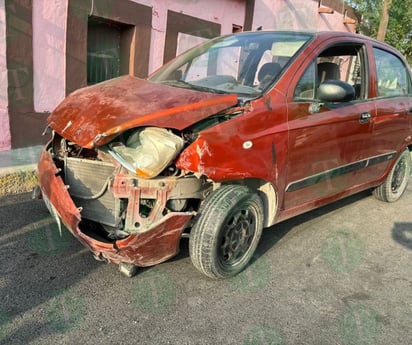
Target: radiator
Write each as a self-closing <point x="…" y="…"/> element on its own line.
<point x="88" y="180"/>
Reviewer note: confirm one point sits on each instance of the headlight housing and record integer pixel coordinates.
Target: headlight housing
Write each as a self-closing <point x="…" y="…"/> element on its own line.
<point x="148" y="151"/>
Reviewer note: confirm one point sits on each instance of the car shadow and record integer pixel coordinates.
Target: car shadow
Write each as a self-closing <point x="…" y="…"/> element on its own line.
<point x="402" y="233"/>
<point x="275" y="233"/>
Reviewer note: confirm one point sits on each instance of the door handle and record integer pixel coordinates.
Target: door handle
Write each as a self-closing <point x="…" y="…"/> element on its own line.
<point x="364" y="117"/>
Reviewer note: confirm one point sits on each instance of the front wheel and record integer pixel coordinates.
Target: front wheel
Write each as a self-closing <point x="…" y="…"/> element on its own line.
<point x="227" y="231"/>
<point x="396" y="181"/>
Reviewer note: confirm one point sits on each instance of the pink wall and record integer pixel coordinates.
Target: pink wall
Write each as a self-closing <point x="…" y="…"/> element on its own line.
<point x="5" y="139"/>
<point x="296" y="15"/>
<point x="225" y="13"/>
<point x="49" y="40"/>
<point x="49" y="36"/>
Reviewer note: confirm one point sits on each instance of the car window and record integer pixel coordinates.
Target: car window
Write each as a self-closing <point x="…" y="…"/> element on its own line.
<point x="345" y="63"/>
<point x="392" y="76"/>
<point x="247" y="64"/>
<point x="266" y="58"/>
<point x="226" y="62"/>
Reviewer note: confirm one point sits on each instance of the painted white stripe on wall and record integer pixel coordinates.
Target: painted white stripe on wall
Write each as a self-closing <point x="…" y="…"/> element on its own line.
<point x="5" y="139"/>
<point x="49" y="48"/>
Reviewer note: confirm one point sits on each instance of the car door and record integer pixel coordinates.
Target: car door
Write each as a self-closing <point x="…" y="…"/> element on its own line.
<point x="328" y="142"/>
<point x="392" y="126"/>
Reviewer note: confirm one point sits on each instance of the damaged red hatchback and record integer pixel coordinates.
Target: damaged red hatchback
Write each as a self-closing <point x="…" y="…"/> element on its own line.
<point x="231" y="137"/>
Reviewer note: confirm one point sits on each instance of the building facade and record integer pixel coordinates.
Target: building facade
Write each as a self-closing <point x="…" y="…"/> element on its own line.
<point x="49" y="48"/>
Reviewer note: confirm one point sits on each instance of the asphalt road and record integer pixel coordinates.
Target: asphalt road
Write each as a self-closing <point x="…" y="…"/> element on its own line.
<point x="337" y="275"/>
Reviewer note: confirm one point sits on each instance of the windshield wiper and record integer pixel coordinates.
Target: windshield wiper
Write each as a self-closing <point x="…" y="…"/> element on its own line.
<point x="186" y="85"/>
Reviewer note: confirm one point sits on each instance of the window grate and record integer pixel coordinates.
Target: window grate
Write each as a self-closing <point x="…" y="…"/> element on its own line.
<point x="103" y="51"/>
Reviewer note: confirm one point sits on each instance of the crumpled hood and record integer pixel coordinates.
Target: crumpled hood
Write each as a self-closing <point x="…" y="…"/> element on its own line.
<point x="94" y="115"/>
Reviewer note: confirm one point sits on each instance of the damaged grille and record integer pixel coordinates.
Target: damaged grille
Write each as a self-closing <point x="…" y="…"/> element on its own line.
<point x="88" y="182"/>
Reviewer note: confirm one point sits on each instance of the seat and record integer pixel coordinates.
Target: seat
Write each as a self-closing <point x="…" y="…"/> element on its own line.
<point x="328" y="71"/>
<point x="268" y="72"/>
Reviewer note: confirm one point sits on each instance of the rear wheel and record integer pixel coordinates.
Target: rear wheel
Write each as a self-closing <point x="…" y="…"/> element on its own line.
<point x="396" y="181"/>
<point x="227" y="231"/>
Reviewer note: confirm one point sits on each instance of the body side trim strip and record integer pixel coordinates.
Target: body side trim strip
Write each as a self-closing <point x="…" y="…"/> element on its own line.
<point x="339" y="171"/>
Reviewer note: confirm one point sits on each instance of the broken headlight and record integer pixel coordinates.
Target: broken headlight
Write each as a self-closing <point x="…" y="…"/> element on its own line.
<point x="148" y="151"/>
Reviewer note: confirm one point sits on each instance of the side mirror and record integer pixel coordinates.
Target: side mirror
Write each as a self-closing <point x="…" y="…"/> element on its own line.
<point x="335" y="91"/>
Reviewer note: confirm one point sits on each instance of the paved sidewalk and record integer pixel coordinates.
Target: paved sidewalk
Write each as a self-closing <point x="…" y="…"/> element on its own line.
<point x="18" y="170"/>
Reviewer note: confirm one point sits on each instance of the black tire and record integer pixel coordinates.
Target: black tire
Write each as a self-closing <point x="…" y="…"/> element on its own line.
<point x="226" y="232"/>
<point x="396" y="181"/>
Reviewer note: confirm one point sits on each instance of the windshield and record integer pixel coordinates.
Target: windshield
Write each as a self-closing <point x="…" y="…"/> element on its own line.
<point x="246" y="64"/>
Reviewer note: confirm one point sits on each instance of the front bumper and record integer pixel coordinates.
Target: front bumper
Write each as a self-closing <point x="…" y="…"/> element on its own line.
<point x="157" y="244"/>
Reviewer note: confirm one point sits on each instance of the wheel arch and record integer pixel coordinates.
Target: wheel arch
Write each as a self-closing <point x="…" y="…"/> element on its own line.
<point x="266" y="191"/>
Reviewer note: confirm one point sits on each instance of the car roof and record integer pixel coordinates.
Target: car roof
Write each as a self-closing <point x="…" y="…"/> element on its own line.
<point x="324" y="35"/>
<point x="319" y="34"/>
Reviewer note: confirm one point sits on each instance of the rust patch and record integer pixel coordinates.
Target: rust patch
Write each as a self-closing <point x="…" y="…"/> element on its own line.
<point x="92" y="116"/>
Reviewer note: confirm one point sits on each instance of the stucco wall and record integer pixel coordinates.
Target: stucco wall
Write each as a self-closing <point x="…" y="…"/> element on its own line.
<point x="296" y="15"/>
<point x="49" y="41"/>
<point x="5" y="139"/>
<point x="225" y="13"/>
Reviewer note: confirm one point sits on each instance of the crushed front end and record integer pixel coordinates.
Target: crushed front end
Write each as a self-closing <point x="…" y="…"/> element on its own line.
<point x="109" y="172"/>
<point x="125" y="205"/>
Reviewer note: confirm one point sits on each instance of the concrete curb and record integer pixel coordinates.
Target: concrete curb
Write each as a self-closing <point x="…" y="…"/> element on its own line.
<point x="18" y="170"/>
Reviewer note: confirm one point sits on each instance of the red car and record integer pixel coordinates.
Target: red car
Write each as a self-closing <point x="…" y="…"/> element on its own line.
<point x="233" y="136"/>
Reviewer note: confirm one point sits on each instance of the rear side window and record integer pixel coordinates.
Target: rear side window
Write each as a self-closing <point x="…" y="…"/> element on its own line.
<point x="392" y="76"/>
